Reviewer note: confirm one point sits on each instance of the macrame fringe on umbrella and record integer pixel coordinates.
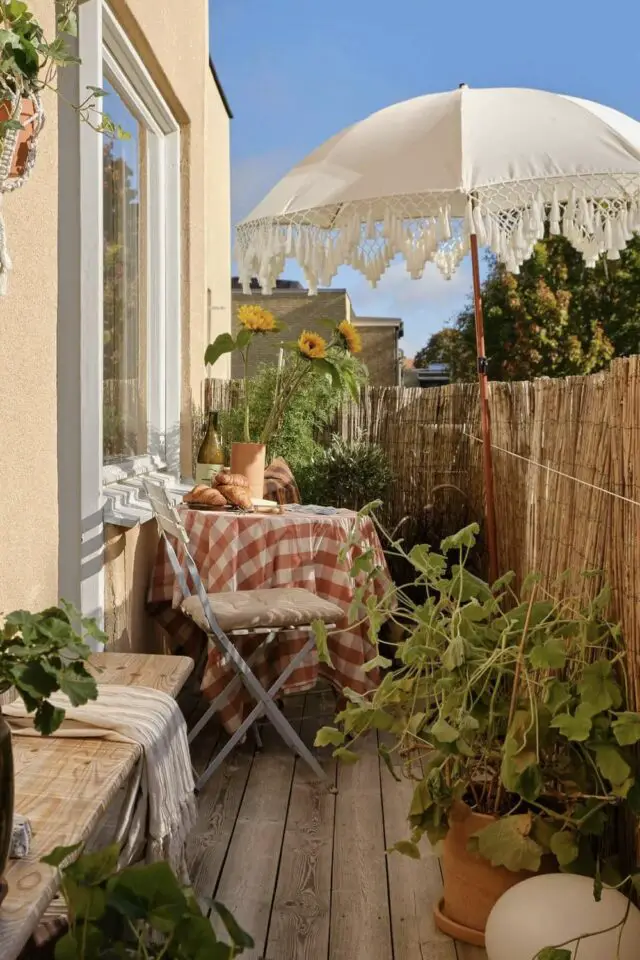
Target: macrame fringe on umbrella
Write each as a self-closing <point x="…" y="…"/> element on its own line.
<point x="597" y="214"/>
<point x="8" y="183"/>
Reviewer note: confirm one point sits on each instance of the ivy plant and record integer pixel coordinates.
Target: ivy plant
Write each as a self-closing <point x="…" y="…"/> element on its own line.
<point x="513" y="702"/>
<point x="41" y="653"/>
<point x="136" y="913"/>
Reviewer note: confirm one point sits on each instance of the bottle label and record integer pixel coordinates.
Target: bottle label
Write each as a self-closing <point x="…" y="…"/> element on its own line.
<point x="206" y="471"/>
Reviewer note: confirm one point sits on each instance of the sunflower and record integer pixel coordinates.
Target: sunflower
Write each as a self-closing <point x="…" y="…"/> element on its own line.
<point x="312" y="345"/>
<point x="256" y="318"/>
<point x="351" y="339"/>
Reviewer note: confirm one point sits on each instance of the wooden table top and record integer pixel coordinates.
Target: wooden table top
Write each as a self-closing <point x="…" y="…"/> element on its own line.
<point x="64" y="786"/>
<point x="157" y="671"/>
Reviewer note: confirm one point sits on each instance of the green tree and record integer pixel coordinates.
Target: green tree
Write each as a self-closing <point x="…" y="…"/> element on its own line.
<point x="556" y="318"/>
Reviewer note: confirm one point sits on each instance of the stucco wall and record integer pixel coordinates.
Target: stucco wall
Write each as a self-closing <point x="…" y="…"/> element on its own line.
<point x="28" y="418"/>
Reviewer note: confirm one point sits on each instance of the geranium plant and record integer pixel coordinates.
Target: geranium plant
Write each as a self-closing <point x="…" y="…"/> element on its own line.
<point x="311" y="352"/>
<point x="516" y="704"/>
<point x="41" y="653"/>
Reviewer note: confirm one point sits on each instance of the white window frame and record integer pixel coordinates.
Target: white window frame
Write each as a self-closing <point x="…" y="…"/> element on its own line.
<point x="128" y="74"/>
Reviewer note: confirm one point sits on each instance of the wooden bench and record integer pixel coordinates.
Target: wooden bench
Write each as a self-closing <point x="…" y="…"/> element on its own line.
<point x="65" y="787"/>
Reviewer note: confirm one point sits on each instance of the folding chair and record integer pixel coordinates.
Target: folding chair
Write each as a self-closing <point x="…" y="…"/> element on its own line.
<point x="224" y="615"/>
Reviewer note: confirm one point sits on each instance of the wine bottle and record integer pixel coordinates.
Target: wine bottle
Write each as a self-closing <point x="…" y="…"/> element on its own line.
<point x="210" y="458"/>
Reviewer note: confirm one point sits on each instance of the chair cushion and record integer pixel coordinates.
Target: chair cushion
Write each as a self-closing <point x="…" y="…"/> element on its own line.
<point x="278" y="607"/>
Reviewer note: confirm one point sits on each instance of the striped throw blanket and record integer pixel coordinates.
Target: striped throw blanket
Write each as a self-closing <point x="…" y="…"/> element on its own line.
<point x="165" y="807"/>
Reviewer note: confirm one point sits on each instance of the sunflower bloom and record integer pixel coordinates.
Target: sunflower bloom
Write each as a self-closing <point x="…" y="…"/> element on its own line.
<point x="256" y="318"/>
<point x="312" y="345"/>
<point x="351" y="339"/>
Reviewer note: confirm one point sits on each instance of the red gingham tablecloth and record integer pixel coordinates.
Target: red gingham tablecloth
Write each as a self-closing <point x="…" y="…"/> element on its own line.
<point x="235" y="551"/>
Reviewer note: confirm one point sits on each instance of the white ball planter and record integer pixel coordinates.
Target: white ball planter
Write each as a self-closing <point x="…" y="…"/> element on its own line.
<point x="551" y="909"/>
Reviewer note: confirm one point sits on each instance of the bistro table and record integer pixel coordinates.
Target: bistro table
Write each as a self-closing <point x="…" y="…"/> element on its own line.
<point x="244" y="551"/>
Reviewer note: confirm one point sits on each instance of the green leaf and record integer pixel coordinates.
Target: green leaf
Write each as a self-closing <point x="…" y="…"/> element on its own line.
<point x="78" y="685"/>
<point x="548" y="655"/>
<point x="385" y="753"/>
<point x="325" y="366"/>
<point x="59" y="854"/>
<point x="506" y="843"/>
<point x="454" y="655"/>
<point x="244" y="338"/>
<point x="463" y="538"/>
<point x="564" y="846"/>
<point x="407" y="848"/>
<point x="611" y="764"/>
<point x="327" y="736"/>
<point x="47" y="718"/>
<point x="224" y="343"/>
<point x="34" y="680"/>
<point x="626" y="728"/>
<point x="576" y="727"/>
<point x="237" y="934"/>
<point x="345" y="755"/>
<point x="431" y="564"/>
<point x="598" y="689"/>
<point x="558" y="695"/>
<point x="94" y="868"/>
<point x="443" y="732"/>
<point x="377" y="663"/>
<point x="554" y="953"/>
<point x="321" y="635"/>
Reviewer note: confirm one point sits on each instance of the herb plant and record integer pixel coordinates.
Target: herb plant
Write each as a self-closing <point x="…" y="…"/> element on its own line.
<point x="516" y="703"/>
<point x="346" y="474"/>
<point x="136" y="913"/>
<point x="41" y="653"/>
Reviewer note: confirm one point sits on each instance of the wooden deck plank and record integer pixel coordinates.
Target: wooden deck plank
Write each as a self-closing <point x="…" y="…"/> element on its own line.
<point x="467" y="952"/>
<point x="360" y="924"/>
<point x="250" y="872"/>
<point x="414" y="885"/>
<point x="299" y="928"/>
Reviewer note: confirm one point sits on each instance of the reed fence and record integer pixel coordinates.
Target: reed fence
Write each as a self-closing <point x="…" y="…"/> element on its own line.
<point x="567" y="473"/>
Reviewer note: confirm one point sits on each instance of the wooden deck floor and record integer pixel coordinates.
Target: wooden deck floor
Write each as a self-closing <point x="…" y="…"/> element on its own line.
<point x="302" y="864"/>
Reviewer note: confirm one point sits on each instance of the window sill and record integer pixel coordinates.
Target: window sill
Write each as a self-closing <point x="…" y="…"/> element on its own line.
<point x="126" y="504"/>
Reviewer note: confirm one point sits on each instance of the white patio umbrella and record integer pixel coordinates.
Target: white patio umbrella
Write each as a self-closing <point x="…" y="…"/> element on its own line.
<point x="431" y="179"/>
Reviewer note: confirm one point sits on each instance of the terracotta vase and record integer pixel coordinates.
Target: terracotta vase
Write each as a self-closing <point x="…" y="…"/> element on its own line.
<point x="21" y="150"/>
<point x="472" y="886"/>
<point x="6" y="799"/>
<point x="249" y="460"/>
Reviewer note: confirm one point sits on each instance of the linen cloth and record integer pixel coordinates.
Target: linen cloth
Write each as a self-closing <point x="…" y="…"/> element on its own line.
<point x="235" y="551"/>
<point x="165" y="808"/>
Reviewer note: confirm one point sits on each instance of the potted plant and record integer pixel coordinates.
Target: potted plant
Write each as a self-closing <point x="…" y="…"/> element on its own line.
<point x="509" y="713"/>
<point x="40" y="653"/>
<point x="136" y="912"/>
<point x="310" y="352"/>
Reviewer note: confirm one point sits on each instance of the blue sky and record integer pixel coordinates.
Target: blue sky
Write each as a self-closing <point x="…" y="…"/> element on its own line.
<point x="297" y="72"/>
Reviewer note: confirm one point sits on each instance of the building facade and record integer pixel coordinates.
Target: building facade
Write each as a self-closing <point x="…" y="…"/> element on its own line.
<point x="121" y="261"/>
<point x="297" y="311"/>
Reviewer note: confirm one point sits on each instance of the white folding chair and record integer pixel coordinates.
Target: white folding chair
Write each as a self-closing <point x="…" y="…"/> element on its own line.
<point x="235" y="613"/>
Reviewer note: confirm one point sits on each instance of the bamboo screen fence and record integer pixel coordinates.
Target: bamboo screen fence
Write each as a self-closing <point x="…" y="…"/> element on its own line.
<point x="561" y="449"/>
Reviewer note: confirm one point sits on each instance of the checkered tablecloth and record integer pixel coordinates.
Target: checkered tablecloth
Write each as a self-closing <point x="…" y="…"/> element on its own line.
<point x="236" y="551"/>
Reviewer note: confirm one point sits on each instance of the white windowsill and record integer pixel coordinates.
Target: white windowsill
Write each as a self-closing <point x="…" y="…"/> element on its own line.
<point x="126" y="504"/>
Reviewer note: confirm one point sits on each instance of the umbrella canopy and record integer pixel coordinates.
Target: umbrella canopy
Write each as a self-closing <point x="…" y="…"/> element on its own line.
<point x="418" y="178"/>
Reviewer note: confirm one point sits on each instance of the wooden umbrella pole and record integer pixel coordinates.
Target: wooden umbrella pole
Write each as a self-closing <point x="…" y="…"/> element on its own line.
<point x="487" y="456"/>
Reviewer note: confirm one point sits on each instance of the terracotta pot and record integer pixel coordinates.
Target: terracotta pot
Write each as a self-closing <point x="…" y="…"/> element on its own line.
<point x="21" y="150"/>
<point x="471" y="885"/>
<point x="249" y="460"/>
<point x="6" y="798"/>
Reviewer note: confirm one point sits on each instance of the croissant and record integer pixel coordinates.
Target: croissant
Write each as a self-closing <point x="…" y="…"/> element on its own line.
<point x="238" y="496"/>
<point x="194" y="495"/>
<point x="231" y="480"/>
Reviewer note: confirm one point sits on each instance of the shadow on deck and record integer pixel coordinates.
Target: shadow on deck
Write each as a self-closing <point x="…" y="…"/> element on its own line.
<point x="302" y="864"/>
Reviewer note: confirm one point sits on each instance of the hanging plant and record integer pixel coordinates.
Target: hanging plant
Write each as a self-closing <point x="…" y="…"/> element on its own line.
<point x="28" y="65"/>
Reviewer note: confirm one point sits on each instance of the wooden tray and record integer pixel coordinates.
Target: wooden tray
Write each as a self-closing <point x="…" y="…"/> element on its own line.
<point x="229" y="508"/>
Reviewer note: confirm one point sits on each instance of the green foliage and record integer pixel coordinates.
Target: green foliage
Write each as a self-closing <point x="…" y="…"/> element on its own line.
<point x="346" y="475"/>
<point x="556" y="318"/>
<point x="135" y="912"/>
<point x="309" y="411"/>
<point x="41" y="653"/>
<point x="513" y="703"/>
<point x="29" y="62"/>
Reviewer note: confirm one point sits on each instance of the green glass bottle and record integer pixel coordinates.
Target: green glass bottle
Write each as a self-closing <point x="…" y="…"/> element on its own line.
<point x="210" y="458"/>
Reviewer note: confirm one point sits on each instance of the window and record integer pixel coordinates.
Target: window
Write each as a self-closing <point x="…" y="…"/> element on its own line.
<point x="141" y="269"/>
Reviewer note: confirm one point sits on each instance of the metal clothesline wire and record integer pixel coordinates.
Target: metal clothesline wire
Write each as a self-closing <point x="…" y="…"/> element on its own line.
<point x="549" y="469"/>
